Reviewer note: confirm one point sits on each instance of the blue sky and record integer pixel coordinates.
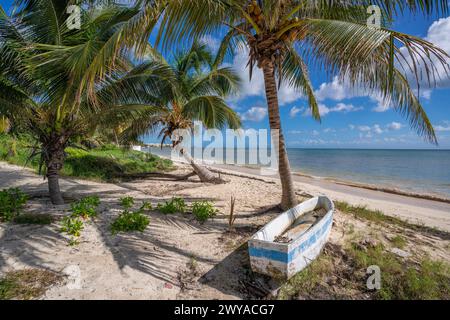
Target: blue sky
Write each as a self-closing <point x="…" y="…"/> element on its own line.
<point x="349" y="119"/>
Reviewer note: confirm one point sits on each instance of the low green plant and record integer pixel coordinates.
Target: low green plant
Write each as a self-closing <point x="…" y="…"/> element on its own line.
<point x="33" y="218"/>
<point x="146" y="206"/>
<point x="130" y="221"/>
<point x="11" y="202"/>
<point x="173" y="206"/>
<point x="203" y="210"/>
<point x="127" y="202"/>
<point x="86" y="207"/>
<point x="72" y="226"/>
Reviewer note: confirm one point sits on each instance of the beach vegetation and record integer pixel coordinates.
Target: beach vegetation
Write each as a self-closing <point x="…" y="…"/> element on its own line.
<point x="203" y="210"/>
<point x="146" y="205"/>
<point x="399" y="242"/>
<point x="276" y="33"/>
<point x="341" y="273"/>
<point x="86" y="207"/>
<point x="12" y="201"/>
<point x="404" y="281"/>
<point x="175" y="205"/>
<point x="106" y="163"/>
<point x="72" y="226"/>
<point x="34" y="218"/>
<point x="26" y="284"/>
<point x="377" y="216"/>
<point x="130" y="221"/>
<point x="126" y="202"/>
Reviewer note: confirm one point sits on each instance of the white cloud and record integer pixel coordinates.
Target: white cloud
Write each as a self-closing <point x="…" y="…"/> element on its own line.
<point x="340" y="107"/>
<point x="438" y="34"/>
<point x="369" y="131"/>
<point x="334" y="90"/>
<point x="443" y="128"/>
<point x="338" y="90"/>
<point x="315" y="133"/>
<point x="364" y="128"/>
<point x="294" y="111"/>
<point x="255" y="114"/>
<point x="377" y="129"/>
<point x="255" y="86"/>
<point x="394" y="126"/>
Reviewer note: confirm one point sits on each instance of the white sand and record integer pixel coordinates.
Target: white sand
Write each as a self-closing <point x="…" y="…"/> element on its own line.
<point x="154" y="264"/>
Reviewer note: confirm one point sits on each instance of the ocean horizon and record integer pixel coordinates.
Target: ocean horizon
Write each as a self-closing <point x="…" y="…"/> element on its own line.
<point x="411" y="170"/>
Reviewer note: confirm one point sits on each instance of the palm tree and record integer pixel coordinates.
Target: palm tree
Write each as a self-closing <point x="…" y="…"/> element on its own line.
<point x="195" y="93"/>
<point x="58" y="82"/>
<point x="286" y="37"/>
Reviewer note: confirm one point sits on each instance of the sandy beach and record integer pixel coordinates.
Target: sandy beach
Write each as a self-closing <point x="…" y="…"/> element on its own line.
<point x="176" y="257"/>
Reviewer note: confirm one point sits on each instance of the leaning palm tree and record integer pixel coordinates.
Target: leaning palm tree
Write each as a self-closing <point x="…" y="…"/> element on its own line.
<point x="196" y="92"/>
<point x="57" y="82"/>
<point x="286" y="37"/>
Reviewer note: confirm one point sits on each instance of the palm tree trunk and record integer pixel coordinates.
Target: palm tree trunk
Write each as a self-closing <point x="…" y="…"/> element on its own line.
<point x="288" y="198"/>
<point x="204" y="174"/>
<point x="54" y="161"/>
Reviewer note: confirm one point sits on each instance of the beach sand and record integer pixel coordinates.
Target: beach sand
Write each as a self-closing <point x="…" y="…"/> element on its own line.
<point x="176" y="257"/>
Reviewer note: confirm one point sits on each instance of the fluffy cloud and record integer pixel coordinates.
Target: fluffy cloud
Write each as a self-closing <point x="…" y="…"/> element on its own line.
<point x="394" y="126"/>
<point x="338" y="90"/>
<point x="340" y="107"/>
<point x="255" y="114"/>
<point x="443" y="128"/>
<point x="438" y="34"/>
<point x="369" y="131"/>
<point x="294" y="111"/>
<point x="255" y="87"/>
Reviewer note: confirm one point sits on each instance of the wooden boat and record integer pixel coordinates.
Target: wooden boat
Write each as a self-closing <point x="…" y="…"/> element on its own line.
<point x="291" y="241"/>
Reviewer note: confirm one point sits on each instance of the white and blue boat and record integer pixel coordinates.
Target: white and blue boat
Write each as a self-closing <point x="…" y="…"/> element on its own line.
<point x="291" y="241"/>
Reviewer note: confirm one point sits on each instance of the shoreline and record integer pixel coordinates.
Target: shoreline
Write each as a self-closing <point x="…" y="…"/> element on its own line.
<point x="254" y="171"/>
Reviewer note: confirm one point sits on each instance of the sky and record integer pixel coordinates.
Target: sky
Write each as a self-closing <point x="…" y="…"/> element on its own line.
<point x="351" y="118"/>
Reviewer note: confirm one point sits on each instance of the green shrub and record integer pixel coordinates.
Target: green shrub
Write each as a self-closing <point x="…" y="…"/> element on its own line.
<point x="72" y="226"/>
<point x="11" y="202"/>
<point x="172" y="206"/>
<point x="146" y="206"/>
<point x="33" y="218"/>
<point x="203" y="210"/>
<point x="127" y="202"/>
<point x="86" y="207"/>
<point x="130" y="221"/>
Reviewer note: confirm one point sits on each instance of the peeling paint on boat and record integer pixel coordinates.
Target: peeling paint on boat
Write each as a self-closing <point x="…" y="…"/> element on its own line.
<point x="286" y="259"/>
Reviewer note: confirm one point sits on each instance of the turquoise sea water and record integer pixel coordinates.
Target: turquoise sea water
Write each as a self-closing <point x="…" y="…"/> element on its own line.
<point x="421" y="171"/>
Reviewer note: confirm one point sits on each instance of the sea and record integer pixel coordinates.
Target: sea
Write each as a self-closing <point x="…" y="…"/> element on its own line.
<point x="414" y="171"/>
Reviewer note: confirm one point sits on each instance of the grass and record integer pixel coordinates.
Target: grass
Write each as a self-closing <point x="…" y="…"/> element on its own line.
<point x="107" y="163"/>
<point x="26" y="284"/>
<point x="34" y="218"/>
<point x="306" y="281"/>
<point x="399" y="242"/>
<point x="402" y="280"/>
<point x="341" y="273"/>
<point x="379" y="217"/>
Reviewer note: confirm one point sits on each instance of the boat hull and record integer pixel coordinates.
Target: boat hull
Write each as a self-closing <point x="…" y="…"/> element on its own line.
<point x="283" y="260"/>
